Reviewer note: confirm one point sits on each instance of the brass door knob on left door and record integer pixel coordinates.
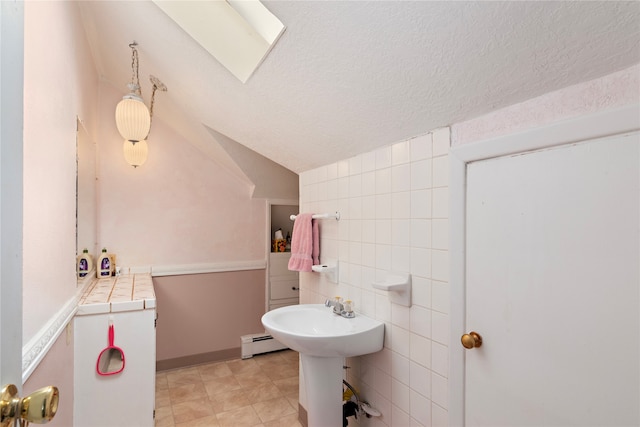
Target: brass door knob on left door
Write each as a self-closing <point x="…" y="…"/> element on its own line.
<point x="471" y="340"/>
<point x="39" y="407"/>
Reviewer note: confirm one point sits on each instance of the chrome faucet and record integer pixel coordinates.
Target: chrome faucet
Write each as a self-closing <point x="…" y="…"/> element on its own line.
<point x="339" y="308"/>
<point x="335" y="303"/>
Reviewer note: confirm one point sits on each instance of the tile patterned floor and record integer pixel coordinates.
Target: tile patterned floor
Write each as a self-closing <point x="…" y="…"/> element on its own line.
<point x="258" y="392"/>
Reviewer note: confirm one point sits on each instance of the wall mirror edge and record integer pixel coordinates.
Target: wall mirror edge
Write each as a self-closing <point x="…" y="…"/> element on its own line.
<point x="86" y="205"/>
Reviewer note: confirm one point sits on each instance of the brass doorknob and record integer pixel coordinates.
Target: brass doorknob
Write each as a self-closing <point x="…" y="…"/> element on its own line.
<point x="471" y="340"/>
<point x="39" y="407"/>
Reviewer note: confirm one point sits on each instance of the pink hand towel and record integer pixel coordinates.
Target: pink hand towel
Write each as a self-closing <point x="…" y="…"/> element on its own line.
<point x="315" y="253"/>
<point x="305" y="244"/>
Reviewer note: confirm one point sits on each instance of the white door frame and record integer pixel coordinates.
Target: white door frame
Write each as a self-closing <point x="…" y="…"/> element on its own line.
<point x="592" y="126"/>
<point x="11" y="143"/>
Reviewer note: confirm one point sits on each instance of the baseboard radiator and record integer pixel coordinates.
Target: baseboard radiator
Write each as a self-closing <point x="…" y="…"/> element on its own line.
<point x="255" y="344"/>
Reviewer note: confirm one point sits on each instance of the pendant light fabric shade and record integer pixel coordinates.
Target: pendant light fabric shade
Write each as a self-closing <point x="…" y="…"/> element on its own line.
<point x="135" y="153"/>
<point x="133" y="118"/>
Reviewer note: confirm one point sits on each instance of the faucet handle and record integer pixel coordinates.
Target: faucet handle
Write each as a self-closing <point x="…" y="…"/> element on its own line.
<point x="337" y="305"/>
<point x="347" y="310"/>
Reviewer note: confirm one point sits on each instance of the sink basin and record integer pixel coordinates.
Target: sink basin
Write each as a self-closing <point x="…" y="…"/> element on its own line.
<point x="323" y="340"/>
<point x="315" y="330"/>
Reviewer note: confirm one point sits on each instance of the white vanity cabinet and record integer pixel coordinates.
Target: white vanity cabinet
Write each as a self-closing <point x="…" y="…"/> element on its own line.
<point x="284" y="285"/>
<point x="126" y="398"/>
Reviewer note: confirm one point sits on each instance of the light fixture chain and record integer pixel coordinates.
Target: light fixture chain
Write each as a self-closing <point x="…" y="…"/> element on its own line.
<point x="133" y="118"/>
<point x="153" y="97"/>
<point x="135" y="80"/>
<point x="156" y="85"/>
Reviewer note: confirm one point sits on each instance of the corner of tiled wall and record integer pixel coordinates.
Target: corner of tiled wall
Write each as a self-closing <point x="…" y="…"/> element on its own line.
<point x="394" y="207"/>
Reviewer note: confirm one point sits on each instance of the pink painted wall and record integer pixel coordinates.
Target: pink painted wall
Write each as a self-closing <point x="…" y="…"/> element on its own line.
<point x="178" y="208"/>
<point x="205" y="313"/>
<point x="55" y="369"/>
<point x="60" y="83"/>
<point x="609" y="92"/>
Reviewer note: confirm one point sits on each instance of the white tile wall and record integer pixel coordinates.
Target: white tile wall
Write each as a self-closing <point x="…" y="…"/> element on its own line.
<point x="394" y="206"/>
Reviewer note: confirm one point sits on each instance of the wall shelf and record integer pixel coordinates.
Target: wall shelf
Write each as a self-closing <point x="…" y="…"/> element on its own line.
<point x="330" y="269"/>
<point x="399" y="287"/>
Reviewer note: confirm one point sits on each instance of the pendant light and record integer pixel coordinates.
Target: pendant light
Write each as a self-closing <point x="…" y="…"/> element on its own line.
<point x="133" y="118"/>
<point x="135" y="153"/>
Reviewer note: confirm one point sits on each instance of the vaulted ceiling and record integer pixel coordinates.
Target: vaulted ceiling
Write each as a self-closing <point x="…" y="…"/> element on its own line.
<point x="350" y="76"/>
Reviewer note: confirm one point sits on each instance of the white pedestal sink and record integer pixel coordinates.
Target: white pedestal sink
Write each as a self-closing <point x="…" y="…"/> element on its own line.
<point x="323" y="340"/>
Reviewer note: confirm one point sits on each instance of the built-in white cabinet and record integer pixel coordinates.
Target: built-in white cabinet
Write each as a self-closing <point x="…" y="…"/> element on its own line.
<point x="125" y="398"/>
<point x="283" y="286"/>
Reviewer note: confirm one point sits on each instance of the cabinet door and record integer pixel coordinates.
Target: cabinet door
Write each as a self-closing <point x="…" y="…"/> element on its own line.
<point x="283" y="284"/>
<point x="279" y="264"/>
<point x="284" y="288"/>
<point x="124" y="399"/>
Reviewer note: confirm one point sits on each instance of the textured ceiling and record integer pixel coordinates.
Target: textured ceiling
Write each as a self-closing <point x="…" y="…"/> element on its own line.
<point x="350" y="76"/>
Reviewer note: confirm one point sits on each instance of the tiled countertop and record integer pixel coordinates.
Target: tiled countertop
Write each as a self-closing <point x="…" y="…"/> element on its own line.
<point x="127" y="292"/>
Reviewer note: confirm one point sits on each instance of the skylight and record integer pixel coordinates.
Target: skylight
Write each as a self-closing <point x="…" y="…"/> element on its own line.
<point x="238" y="33"/>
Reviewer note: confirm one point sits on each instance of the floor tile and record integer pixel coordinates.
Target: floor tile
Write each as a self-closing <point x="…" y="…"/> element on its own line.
<point x="222" y="385"/>
<point x="288" y="385"/>
<point x="263" y="392"/>
<point x="244" y="366"/>
<point x="241" y="417"/>
<point x="187" y="392"/>
<point x="252" y="380"/>
<point x="258" y="392"/>
<point x="162" y="398"/>
<point x="161" y="381"/>
<point x="273" y="409"/>
<point x="227" y="401"/>
<point x="288" y="421"/>
<point x="281" y="372"/>
<point x="210" y="421"/>
<point x="191" y="410"/>
<point x="214" y="370"/>
<point x="164" y="417"/>
<point x="183" y="376"/>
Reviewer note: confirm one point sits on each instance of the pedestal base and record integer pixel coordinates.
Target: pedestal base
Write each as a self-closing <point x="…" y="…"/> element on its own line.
<point x="323" y="385"/>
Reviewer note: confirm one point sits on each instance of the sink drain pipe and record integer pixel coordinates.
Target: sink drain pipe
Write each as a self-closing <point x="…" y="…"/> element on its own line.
<point x="356" y="408"/>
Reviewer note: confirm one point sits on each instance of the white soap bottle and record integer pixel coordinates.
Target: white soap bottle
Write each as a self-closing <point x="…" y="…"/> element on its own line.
<point x="84" y="263"/>
<point x="104" y="265"/>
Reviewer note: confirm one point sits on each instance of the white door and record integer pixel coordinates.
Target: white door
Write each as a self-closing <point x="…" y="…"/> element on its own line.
<point x="552" y="286"/>
<point x="11" y="97"/>
<point x="545" y="267"/>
